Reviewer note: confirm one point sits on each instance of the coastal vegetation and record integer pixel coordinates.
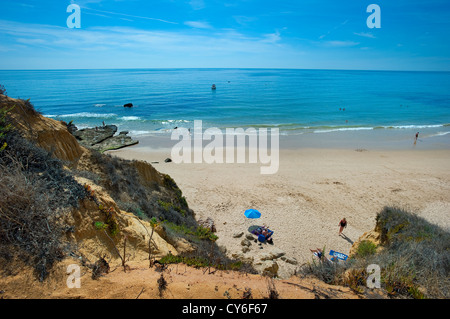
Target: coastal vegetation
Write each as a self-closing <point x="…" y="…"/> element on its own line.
<point x="412" y="254"/>
<point x="43" y="190"/>
<point x="36" y="190"/>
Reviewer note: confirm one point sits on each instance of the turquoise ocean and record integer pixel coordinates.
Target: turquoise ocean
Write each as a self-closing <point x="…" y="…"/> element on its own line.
<point x="294" y="101"/>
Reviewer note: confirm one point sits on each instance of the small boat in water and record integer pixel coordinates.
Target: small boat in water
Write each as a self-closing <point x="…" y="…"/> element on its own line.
<point x="213" y="87"/>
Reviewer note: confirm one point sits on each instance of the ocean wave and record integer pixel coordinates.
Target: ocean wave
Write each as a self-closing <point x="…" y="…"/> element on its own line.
<point x="139" y="133"/>
<point x="344" y="129"/>
<point x="171" y="121"/>
<point x="439" y="134"/>
<point x="334" y="128"/>
<point x="99" y="105"/>
<point x="414" y="126"/>
<point x="130" y="118"/>
<point x="84" y="114"/>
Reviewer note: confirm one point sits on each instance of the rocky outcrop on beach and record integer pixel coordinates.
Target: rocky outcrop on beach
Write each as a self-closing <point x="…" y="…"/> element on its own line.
<point x="268" y="260"/>
<point x="102" y="138"/>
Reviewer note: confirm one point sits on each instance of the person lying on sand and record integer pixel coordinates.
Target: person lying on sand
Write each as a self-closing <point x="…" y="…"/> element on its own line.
<point x="317" y="252"/>
<point x="264" y="234"/>
<point x="268" y="235"/>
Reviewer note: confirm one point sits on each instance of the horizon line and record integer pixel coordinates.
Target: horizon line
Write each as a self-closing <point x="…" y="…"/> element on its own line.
<point x="225" y="68"/>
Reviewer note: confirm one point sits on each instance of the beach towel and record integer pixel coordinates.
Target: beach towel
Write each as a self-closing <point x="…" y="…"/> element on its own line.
<point x="338" y="255"/>
<point x="258" y="232"/>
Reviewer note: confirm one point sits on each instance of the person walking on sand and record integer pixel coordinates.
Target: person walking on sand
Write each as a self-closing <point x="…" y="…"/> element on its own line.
<point x="417" y="136"/>
<point x="342" y="225"/>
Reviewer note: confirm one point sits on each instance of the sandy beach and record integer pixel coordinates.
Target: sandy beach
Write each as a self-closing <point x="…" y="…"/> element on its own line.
<point x="312" y="191"/>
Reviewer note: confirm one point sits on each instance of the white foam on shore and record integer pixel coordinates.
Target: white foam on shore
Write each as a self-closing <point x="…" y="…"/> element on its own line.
<point x="130" y="118"/>
<point x="139" y="133"/>
<point x="439" y="134"/>
<point x="344" y="129"/>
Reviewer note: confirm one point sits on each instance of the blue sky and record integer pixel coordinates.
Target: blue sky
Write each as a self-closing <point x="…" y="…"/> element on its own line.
<point x="309" y="34"/>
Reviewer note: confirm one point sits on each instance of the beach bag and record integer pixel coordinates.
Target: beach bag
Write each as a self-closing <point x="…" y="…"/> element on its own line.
<point x="261" y="238"/>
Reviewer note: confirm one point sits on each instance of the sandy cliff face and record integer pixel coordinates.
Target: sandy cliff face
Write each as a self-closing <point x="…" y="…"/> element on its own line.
<point x="134" y="234"/>
<point x="53" y="136"/>
<point x="49" y="134"/>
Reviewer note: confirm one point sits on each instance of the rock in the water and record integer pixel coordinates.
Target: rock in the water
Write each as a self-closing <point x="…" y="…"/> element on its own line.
<point x="114" y="143"/>
<point x="101" y="138"/>
<point x="71" y="127"/>
<point x="91" y="136"/>
<point x="128" y="105"/>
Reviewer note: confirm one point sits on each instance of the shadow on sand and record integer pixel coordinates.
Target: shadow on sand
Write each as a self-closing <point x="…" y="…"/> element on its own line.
<point x="346" y="238"/>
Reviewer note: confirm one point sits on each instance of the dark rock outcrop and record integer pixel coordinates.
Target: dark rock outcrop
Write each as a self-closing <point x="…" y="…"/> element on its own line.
<point x="115" y="142"/>
<point x="102" y="138"/>
<point x="91" y="136"/>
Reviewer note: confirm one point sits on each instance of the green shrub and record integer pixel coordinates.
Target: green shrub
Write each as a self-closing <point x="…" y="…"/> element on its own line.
<point x="199" y="232"/>
<point x="414" y="261"/>
<point x="199" y="261"/>
<point x="366" y="248"/>
<point x="100" y="226"/>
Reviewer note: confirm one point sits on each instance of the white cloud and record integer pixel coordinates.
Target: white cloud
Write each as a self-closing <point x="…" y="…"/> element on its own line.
<point x="126" y="39"/>
<point x="128" y="15"/>
<point x="272" y="37"/>
<point x="365" y="34"/>
<point x="197" y="4"/>
<point x="341" y="44"/>
<point x="198" y="24"/>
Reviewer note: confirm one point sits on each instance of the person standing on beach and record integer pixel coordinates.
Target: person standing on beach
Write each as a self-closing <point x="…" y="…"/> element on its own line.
<point x="342" y="225"/>
<point x="417" y="136"/>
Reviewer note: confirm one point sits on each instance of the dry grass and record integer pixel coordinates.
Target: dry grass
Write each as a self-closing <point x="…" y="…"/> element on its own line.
<point x="35" y="192"/>
<point x="414" y="261"/>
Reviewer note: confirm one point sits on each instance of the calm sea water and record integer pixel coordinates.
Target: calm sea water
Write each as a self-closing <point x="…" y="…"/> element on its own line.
<point x="295" y="101"/>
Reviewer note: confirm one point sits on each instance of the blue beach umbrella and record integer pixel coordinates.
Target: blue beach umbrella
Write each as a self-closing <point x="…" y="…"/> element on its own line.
<point x="252" y="213"/>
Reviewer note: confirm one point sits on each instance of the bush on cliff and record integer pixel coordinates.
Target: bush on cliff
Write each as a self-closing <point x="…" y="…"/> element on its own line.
<point x="414" y="258"/>
<point x="35" y="191"/>
<point x="121" y="179"/>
